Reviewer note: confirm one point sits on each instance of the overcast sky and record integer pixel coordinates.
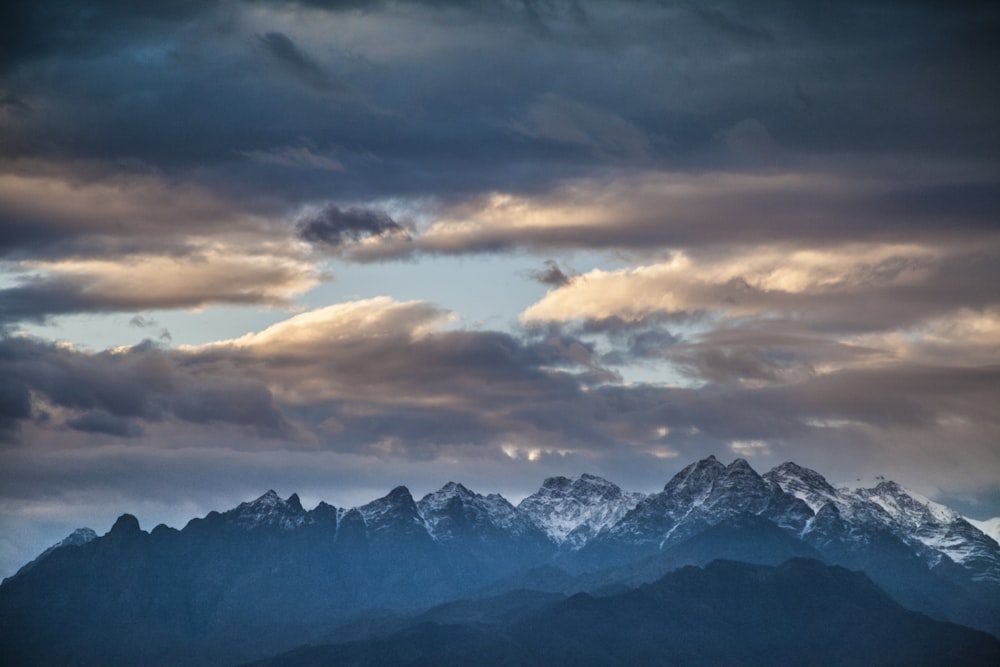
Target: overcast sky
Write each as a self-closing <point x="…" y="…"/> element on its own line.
<point x="330" y="247"/>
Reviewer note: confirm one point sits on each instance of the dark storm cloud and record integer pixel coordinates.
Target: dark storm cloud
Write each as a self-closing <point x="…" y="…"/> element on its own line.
<point x="115" y="392"/>
<point x="762" y="353"/>
<point x="39" y="299"/>
<point x="437" y="118"/>
<point x="723" y="21"/>
<point x="101" y="422"/>
<point x="283" y="50"/>
<point x="905" y="398"/>
<point x="48" y="27"/>
<point x="334" y="226"/>
<point x="15" y="407"/>
<point x="451" y="388"/>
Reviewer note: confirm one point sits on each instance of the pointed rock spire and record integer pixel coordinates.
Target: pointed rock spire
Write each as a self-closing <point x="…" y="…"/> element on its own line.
<point x="126" y="524"/>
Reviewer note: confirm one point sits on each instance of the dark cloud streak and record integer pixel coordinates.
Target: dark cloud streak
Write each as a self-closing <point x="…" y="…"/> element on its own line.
<point x="283" y="50"/>
<point x="334" y="226"/>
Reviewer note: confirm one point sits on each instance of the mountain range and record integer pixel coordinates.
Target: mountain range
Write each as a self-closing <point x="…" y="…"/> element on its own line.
<point x="269" y="575"/>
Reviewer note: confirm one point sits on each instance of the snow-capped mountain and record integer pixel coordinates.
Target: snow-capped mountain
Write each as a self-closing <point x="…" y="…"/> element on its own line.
<point x="253" y="575"/>
<point x="394" y="514"/>
<point x="931" y="529"/>
<point x="268" y="511"/>
<point x="702" y="495"/>
<point x="454" y="512"/>
<point x="573" y="511"/>
<point x="479" y="534"/>
<point x="74" y="539"/>
<point x="938" y="528"/>
<point x="989" y="527"/>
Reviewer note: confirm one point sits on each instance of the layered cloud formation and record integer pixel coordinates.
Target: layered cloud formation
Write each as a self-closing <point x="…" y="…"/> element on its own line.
<point x="771" y="230"/>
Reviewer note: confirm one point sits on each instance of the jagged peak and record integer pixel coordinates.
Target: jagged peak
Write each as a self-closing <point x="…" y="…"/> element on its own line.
<point x="78" y="536"/>
<point x="791" y="469"/>
<point x="269" y="500"/>
<point x="561" y="483"/>
<point x="399" y="493"/>
<point x="740" y="465"/>
<point x="889" y="486"/>
<point x="125" y="524"/>
<point x="455" y="488"/>
<point x="399" y="497"/>
<point x="269" y="509"/>
<point x="556" y="482"/>
<point x="898" y="501"/>
<point x="708" y="467"/>
<point x="805" y="484"/>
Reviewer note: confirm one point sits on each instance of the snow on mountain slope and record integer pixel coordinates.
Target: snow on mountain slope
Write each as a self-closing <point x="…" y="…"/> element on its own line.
<point x="455" y="512"/>
<point x="938" y="528"/>
<point x="989" y="527"/>
<point x="270" y="510"/>
<point x="572" y="511"/>
<point x="395" y="511"/>
<point x="907" y="507"/>
<point x="702" y="495"/>
<point x="806" y="485"/>
<point x="77" y="538"/>
<point x="932" y="530"/>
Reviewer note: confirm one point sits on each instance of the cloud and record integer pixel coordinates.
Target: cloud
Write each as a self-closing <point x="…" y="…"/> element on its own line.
<point x="390" y="379"/>
<point x="295" y="156"/>
<point x="374" y="375"/>
<point x="181" y="91"/>
<point x="552" y="275"/>
<point x="101" y="422"/>
<point x="749" y="448"/>
<point x="283" y="50"/>
<point x="89" y="209"/>
<point x="215" y="275"/>
<point x="645" y="210"/>
<point x="849" y="288"/>
<point x="114" y="241"/>
<point x="554" y="118"/>
<point x="334" y="227"/>
<point x="116" y="392"/>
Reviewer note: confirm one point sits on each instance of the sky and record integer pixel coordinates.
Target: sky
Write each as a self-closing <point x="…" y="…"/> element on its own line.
<point x="330" y="247"/>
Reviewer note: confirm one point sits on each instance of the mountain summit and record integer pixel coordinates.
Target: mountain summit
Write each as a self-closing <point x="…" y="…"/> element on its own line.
<point x="573" y="511"/>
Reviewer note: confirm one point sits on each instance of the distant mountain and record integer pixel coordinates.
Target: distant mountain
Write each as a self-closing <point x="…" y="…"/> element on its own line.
<point x="799" y="613"/>
<point x="573" y="511"/>
<point x="481" y="533"/>
<point x="77" y="538"/>
<point x="701" y="495"/>
<point x="268" y="574"/>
